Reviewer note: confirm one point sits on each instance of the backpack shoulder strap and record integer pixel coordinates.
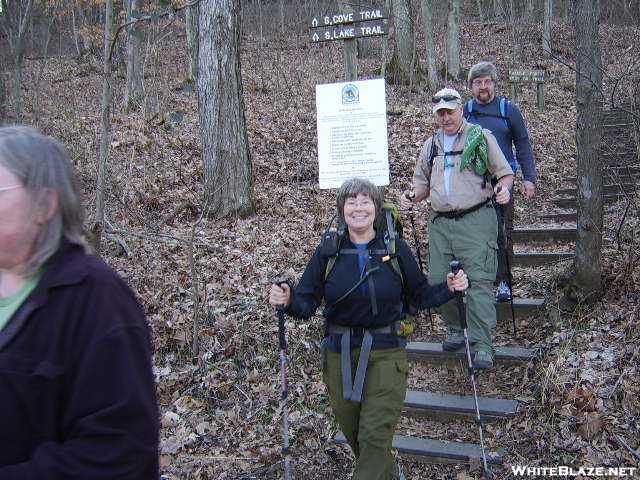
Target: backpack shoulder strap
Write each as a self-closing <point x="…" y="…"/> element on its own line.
<point x="333" y="255"/>
<point x="390" y="244"/>
<point x="504" y="111"/>
<point x="433" y="153"/>
<point x="470" y="105"/>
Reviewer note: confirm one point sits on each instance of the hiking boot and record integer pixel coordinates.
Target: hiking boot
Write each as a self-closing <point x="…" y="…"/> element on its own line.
<point x="454" y="341"/>
<point x="503" y="293"/>
<point x="482" y="360"/>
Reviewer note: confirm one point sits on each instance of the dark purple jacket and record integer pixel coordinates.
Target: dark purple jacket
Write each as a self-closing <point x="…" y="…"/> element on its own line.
<point x="77" y="395"/>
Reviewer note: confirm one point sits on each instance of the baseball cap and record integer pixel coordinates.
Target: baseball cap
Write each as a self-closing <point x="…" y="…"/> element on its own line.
<point x="446" y="98"/>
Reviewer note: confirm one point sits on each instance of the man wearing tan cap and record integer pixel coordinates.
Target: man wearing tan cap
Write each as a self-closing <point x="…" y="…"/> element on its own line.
<point x="454" y="170"/>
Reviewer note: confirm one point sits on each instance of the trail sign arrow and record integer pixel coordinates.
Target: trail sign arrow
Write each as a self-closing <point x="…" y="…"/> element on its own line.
<point x="361" y="15"/>
<point x="346" y="32"/>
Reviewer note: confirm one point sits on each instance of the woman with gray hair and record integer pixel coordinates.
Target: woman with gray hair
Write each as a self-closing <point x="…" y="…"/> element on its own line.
<point x="367" y="287"/>
<point x="77" y="395"/>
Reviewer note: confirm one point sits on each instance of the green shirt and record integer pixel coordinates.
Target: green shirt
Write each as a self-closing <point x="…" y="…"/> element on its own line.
<point x="9" y="305"/>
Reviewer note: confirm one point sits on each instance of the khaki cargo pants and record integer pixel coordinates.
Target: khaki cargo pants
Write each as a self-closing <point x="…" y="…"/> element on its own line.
<point x="369" y="426"/>
<point x="472" y="240"/>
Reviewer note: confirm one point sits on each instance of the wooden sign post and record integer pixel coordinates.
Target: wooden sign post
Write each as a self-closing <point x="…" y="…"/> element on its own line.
<point x="528" y="76"/>
<point x="347" y="26"/>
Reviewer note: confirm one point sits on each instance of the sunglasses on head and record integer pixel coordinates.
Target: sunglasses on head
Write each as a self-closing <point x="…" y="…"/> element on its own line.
<point x="445" y="98"/>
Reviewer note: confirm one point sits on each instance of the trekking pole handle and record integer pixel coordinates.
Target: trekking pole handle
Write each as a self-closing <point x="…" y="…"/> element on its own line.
<point x="410" y="195"/>
<point x="282" y="338"/>
<point x="456" y="266"/>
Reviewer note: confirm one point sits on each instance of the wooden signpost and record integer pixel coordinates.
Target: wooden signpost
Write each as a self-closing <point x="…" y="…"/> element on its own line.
<point x="348" y="26"/>
<point x="528" y="76"/>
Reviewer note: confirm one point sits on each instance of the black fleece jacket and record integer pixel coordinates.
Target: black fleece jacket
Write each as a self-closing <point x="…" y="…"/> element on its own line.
<point x="356" y="309"/>
<point x="77" y="394"/>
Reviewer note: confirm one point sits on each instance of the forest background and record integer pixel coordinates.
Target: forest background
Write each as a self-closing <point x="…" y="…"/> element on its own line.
<point x="119" y="85"/>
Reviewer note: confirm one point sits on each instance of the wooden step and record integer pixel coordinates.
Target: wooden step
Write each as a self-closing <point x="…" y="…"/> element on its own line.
<point x="616" y="171"/>
<point x="561" y="217"/>
<point x="566" y="216"/>
<point x="615" y="176"/>
<point x="521" y="307"/>
<point x="441" y="406"/>
<point x="570" y="202"/>
<point x="436" y="451"/>
<point x="432" y="353"/>
<point x="533" y="259"/>
<point x="617" y="125"/>
<point x="544" y="234"/>
<point x="607" y="189"/>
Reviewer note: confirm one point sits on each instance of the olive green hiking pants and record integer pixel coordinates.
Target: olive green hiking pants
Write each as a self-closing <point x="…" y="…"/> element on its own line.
<point x="472" y="240"/>
<point x="369" y="425"/>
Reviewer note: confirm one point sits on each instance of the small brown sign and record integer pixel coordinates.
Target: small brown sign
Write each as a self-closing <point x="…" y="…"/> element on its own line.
<point x="526" y="76"/>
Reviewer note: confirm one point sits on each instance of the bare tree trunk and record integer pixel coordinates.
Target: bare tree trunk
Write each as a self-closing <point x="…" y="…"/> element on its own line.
<point x="498" y="11"/>
<point x="546" y="35"/>
<point x="404" y="66"/>
<point x="51" y="13"/>
<point x="104" y="128"/>
<point x="530" y="10"/>
<point x="453" y="40"/>
<point x="18" y="18"/>
<point x="134" y="92"/>
<point x="480" y="10"/>
<point x="586" y="283"/>
<point x="432" y="68"/>
<point x="516" y="34"/>
<point x="72" y="5"/>
<point x="228" y="187"/>
<point x="385" y="45"/>
<point x="281" y="16"/>
<point x="192" y="41"/>
<point x="261" y="22"/>
<point x="566" y="11"/>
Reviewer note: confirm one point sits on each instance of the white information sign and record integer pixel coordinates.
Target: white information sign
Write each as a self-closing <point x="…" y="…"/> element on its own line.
<point x="352" y="132"/>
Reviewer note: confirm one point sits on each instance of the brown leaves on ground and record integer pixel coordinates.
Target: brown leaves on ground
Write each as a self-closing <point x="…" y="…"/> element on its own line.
<point x="221" y="417"/>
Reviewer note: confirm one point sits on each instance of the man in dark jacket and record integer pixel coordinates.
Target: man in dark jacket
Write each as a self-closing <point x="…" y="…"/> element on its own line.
<point x="504" y="120"/>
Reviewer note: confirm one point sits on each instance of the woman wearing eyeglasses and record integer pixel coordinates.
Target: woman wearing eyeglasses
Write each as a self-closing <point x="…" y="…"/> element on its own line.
<point x="454" y="169"/>
<point x="77" y="394"/>
<point x="366" y="291"/>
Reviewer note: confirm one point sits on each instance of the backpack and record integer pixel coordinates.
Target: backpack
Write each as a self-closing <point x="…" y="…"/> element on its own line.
<point x="504" y="111"/>
<point x="389" y="222"/>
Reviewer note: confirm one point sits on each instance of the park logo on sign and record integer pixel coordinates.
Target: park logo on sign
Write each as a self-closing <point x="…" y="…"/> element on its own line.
<point x="350" y="94"/>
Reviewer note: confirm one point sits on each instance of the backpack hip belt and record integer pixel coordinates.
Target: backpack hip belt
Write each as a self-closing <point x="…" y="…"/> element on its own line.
<point x="457" y="214"/>
<point x="353" y="390"/>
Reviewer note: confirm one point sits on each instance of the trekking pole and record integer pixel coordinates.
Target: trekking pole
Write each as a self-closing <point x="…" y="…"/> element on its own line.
<point x="410" y="196"/>
<point x="456" y="266"/>
<point x="506" y="258"/>
<point x="282" y="340"/>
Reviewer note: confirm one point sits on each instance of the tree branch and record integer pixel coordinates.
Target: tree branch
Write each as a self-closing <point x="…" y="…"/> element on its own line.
<point x="145" y="19"/>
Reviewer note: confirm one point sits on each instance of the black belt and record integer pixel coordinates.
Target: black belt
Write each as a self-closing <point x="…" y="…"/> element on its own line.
<point x="456" y="214"/>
